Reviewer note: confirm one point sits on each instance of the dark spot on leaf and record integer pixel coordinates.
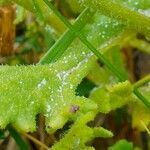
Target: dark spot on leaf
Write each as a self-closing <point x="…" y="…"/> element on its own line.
<point x="74" y="108"/>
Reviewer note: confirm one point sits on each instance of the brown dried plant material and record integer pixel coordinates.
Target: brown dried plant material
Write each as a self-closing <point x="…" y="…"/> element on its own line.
<point x="7" y="30"/>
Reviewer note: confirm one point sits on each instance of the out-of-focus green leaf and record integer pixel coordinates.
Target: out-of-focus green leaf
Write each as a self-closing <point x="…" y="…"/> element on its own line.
<point x="122" y="145"/>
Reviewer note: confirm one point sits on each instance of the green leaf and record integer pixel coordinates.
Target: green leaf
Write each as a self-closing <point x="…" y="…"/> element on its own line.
<point x="111" y="97"/>
<point x="127" y="16"/>
<point x="40" y="89"/>
<point x="80" y="133"/>
<point x="122" y="145"/>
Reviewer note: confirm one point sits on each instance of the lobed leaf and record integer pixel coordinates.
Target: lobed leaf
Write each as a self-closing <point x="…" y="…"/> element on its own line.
<point x="80" y="133"/>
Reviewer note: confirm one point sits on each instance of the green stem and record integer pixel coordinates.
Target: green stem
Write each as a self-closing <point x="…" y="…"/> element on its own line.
<point x="66" y="39"/>
<point x="141" y="97"/>
<point x="142" y="81"/>
<point x="137" y="92"/>
<point x="49" y="17"/>
<point x="141" y="45"/>
<point x="100" y="56"/>
<point x="128" y="17"/>
<point x="57" y="13"/>
<point x="38" y="10"/>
